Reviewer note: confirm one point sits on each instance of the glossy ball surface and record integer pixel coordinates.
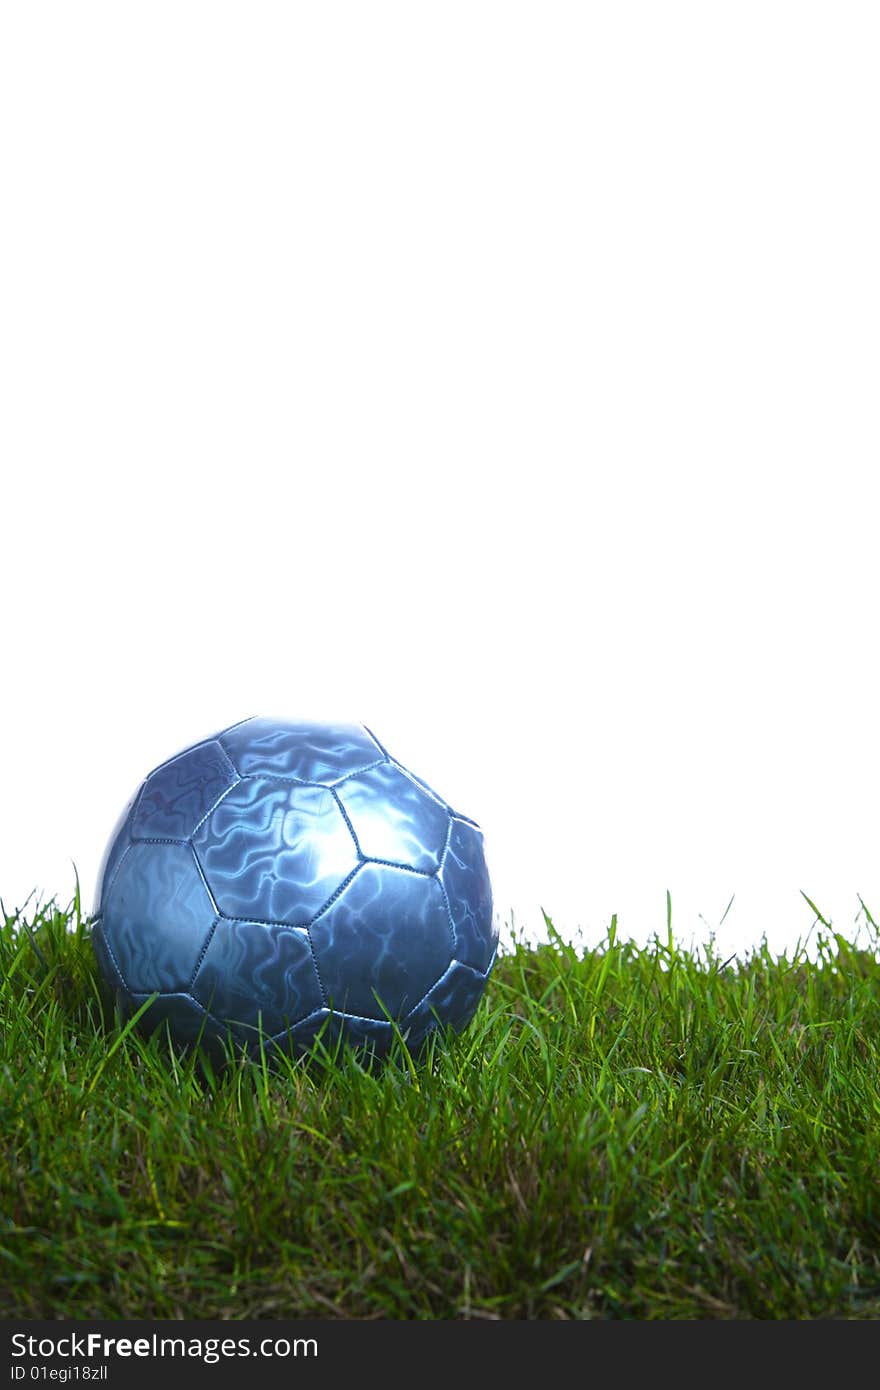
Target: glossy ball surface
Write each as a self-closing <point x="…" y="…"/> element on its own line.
<point x="284" y="878"/>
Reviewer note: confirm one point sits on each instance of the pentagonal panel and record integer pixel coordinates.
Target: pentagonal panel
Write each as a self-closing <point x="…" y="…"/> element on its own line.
<point x="118" y="843"/>
<point x="308" y="751"/>
<point x="452" y="1001"/>
<point x="386" y="935"/>
<point x="275" y="851"/>
<point x="258" y="976"/>
<point x="179" y="794"/>
<point x="394" y="819"/>
<point x="466" y="880"/>
<point x="157" y="916"/>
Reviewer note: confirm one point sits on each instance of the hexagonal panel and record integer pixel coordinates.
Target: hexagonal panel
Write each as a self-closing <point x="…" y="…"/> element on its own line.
<point x="306" y="750"/>
<point x="179" y="794"/>
<point x="372" y="1034"/>
<point x="107" y="961"/>
<point x="425" y="786"/>
<point x="118" y="843"/>
<point x="394" y="819"/>
<point x="387" y="934"/>
<point x="453" y="1000"/>
<point x="157" y="916"/>
<point x="254" y="975"/>
<point x="275" y="851"/>
<point x="466" y="880"/>
<point x="188" y="1022"/>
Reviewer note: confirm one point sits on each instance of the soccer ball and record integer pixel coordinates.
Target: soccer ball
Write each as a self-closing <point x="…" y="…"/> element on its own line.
<point x="286" y="879"/>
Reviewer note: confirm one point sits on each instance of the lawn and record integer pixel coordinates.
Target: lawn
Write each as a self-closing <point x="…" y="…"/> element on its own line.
<point x="622" y="1132"/>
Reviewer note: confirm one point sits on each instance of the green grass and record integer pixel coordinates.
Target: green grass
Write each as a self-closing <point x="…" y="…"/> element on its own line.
<point x="623" y="1132"/>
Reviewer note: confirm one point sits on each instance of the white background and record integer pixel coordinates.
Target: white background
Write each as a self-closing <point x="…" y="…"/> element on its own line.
<point x="504" y="376"/>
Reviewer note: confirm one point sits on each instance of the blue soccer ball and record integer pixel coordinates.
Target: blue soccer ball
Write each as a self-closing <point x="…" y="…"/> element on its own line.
<point x="284" y="879"/>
